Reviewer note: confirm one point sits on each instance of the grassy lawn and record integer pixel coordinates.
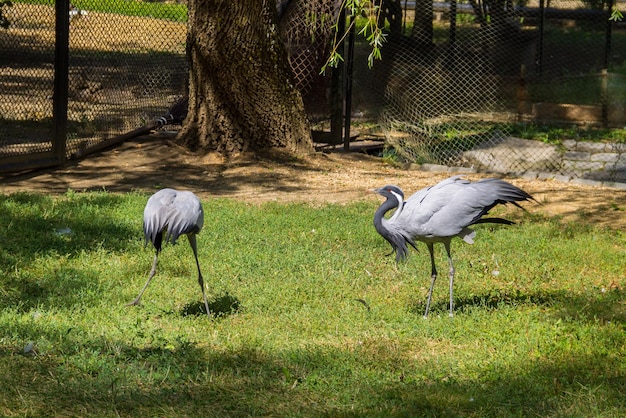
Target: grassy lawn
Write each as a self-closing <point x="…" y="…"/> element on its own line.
<point x="162" y="10"/>
<point x="312" y="318"/>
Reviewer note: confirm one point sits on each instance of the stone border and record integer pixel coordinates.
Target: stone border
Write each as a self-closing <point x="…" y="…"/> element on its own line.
<point x="531" y="175"/>
<point x="587" y="159"/>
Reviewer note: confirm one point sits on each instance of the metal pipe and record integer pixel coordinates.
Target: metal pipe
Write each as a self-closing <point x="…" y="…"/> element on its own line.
<point x="61" y="79"/>
<point x="349" y="73"/>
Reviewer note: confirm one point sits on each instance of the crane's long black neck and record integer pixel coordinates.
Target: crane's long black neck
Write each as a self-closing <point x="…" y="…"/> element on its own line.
<point x="395" y="238"/>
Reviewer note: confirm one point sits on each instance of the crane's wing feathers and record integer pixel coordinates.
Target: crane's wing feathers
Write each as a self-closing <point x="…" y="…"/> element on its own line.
<point x="174" y="213"/>
<point x="449" y="207"/>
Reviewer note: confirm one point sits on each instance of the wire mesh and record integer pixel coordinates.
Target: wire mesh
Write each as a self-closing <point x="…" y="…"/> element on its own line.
<point x="26" y="79"/>
<point x="306" y="28"/>
<point x="456" y="79"/>
<point x="127" y="66"/>
<point x="453" y="93"/>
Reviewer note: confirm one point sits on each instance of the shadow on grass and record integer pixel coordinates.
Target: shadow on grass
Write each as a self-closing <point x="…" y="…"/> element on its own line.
<point x="36" y="224"/>
<point x="106" y="376"/>
<point x="62" y="288"/>
<point x="606" y="307"/>
<point x="221" y="306"/>
<point x="148" y="372"/>
<point x="50" y="232"/>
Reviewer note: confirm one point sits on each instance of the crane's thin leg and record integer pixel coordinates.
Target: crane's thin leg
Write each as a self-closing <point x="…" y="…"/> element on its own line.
<point x="433" y="275"/>
<point x="451" y="273"/>
<point x="152" y="273"/>
<point x="192" y="242"/>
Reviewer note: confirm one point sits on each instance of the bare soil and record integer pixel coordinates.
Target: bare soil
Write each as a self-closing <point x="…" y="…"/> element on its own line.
<point x="152" y="162"/>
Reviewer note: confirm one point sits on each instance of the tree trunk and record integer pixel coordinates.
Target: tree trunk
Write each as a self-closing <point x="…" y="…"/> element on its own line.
<point x="241" y="91"/>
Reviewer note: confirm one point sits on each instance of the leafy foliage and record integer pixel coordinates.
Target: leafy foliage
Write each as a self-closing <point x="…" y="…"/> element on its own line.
<point x="616" y="15"/>
<point x="370" y="30"/>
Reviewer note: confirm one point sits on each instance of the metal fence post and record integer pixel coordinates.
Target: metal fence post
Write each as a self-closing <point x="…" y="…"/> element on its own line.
<point x="61" y="77"/>
<point x="348" y="86"/>
<point x="542" y="28"/>
<point x="608" y="33"/>
<point x="336" y="96"/>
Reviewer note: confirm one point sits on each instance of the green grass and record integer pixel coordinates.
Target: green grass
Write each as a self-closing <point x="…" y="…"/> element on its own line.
<point x="160" y="10"/>
<point x="544" y="337"/>
<point x="555" y="134"/>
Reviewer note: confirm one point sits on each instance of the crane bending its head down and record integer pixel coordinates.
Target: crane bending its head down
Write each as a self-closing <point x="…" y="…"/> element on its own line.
<point x="172" y="213"/>
<point x="440" y="213"/>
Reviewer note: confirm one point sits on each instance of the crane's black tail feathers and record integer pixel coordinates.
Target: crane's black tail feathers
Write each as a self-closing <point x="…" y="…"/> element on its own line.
<point x="494" y="221"/>
<point x="156" y="240"/>
<point x="502" y="193"/>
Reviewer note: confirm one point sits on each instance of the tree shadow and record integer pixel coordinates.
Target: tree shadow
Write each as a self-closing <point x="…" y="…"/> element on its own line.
<point x="36" y="224"/>
<point x="37" y="227"/>
<point x="606" y="307"/>
<point x="590" y="206"/>
<point x="63" y="288"/>
<point x="157" y="376"/>
<point x="152" y="162"/>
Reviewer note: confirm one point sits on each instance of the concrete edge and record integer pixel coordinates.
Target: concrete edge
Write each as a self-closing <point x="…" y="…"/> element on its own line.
<point x="530" y="175"/>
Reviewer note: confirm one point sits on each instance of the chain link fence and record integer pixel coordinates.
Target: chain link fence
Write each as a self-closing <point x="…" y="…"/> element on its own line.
<point x="26" y="79"/>
<point x="306" y="28"/>
<point x="457" y="90"/>
<point x="457" y="82"/>
<point x="127" y="65"/>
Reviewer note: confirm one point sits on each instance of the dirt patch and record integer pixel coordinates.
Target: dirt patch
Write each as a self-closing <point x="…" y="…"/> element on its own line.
<point x="153" y="162"/>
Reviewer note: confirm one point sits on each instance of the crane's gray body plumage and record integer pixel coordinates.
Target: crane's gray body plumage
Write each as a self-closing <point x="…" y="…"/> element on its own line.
<point x="169" y="214"/>
<point x="174" y="212"/>
<point x="439" y="213"/>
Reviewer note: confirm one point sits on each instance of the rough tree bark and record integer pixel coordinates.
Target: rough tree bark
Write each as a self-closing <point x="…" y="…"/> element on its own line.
<point x="241" y="93"/>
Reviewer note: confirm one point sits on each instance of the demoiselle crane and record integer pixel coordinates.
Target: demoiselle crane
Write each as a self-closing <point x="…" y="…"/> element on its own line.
<point x="172" y="213"/>
<point x="439" y="213"/>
